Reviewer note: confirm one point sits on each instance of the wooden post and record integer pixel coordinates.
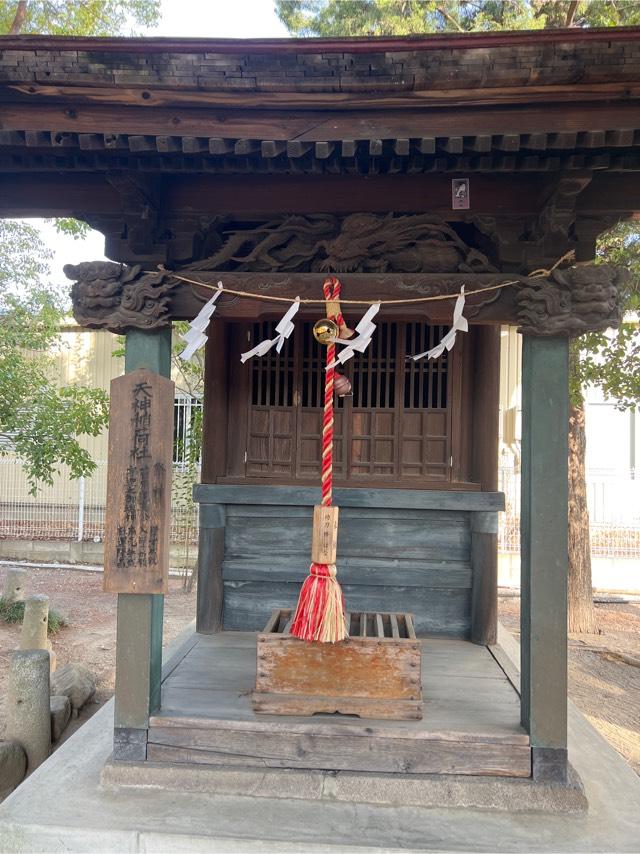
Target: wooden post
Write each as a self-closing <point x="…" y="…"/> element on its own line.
<point x="210" y="593"/>
<point x="210" y="602"/>
<point x="139" y="622"/>
<point x="484" y="590"/>
<point x="484" y="526"/>
<point x="544" y="561"/>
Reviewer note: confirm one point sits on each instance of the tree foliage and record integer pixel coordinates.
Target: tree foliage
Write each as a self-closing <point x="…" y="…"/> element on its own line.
<point x="39" y="422"/>
<point x="78" y="17"/>
<point x="415" y="17"/>
<point x="611" y="360"/>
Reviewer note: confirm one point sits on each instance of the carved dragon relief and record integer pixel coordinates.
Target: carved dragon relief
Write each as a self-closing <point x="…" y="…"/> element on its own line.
<point x="363" y="242"/>
<point x="114" y="297"/>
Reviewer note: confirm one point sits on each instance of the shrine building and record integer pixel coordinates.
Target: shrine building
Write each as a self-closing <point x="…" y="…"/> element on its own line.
<point x="407" y="168"/>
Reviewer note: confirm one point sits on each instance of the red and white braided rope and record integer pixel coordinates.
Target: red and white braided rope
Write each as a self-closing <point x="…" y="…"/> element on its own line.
<point x="320" y="613"/>
<point x="331" y="289"/>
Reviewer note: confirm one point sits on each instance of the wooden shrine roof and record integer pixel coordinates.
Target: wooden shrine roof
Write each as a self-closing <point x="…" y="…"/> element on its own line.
<point x="487" y="102"/>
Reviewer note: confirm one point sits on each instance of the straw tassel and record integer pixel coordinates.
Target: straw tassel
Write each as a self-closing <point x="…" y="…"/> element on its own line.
<point x="320" y="612"/>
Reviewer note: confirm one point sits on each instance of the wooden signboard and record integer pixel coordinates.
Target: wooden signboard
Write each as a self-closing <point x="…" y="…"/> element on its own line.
<point x="324" y="540"/>
<point x="138" y="514"/>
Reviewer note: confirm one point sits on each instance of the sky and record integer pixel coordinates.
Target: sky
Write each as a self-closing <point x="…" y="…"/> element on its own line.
<point x="180" y="18"/>
<point x="223" y="19"/>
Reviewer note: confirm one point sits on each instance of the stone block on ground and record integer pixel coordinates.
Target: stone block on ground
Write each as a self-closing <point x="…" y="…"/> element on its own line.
<point x="60" y="714"/>
<point x="15" y="585"/>
<point x="27" y="708"/>
<point x="13" y="766"/>
<point x="35" y="623"/>
<point x="75" y="682"/>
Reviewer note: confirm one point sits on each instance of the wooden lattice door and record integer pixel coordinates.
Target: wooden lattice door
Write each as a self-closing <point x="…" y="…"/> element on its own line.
<point x="396" y="426"/>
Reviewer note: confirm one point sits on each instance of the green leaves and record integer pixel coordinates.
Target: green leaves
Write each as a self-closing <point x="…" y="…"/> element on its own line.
<point x="39" y="422"/>
<point x="75" y="228"/>
<point x="79" y="17"/>
<point x="611" y="360"/>
<point x="412" y="17"/>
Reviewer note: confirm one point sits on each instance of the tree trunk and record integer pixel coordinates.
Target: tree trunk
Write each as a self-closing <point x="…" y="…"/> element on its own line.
<point x="19" y="18"/>
<point x="581" y="611"/>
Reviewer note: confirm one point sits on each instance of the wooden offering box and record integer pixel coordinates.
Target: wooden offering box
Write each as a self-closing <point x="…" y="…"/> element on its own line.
<point x="373" y="674"/>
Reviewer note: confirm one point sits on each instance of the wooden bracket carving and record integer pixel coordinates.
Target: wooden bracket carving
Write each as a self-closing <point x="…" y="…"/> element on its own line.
<point x="140" y="209"/>
<point x="571" y="302"/>
<point x="106" y="295"/>
<point x="558" y="211"/>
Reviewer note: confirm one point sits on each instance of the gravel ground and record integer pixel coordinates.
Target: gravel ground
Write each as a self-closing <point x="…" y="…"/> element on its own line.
<point x="90" y="637"/>
<point x="604" y="673"/>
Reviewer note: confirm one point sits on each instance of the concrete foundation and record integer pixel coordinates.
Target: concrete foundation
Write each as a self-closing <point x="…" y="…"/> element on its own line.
<point x="156" y="818"/>
<point x="426" y="790"/>
<point x="70" y="551"/>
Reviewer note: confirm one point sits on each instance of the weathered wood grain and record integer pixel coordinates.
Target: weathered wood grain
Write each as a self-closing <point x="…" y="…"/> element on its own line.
<point x="437" y="611"/>
<point x="478" y="717"/>
<point x="354" y="570"/>
<point x="423" y="730"/>
<point x="284" y="750"/>
<point x="358" y="668"/>
<point x="364" y="707"/>
<point x="404" y="499"/>
<point x="137" y="518"/>
<point x="324" y="534"/>
<point x="389" y="537"/>
<point x="465" y="692"/>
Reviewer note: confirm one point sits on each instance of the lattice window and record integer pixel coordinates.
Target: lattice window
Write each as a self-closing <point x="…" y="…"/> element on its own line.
<point x="272" y="377"/>
<point x="425" y="381"/>
<point x="394" y="426"/>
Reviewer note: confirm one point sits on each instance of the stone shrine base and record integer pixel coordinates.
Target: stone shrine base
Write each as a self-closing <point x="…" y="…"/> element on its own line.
<point x="78" y="801"/>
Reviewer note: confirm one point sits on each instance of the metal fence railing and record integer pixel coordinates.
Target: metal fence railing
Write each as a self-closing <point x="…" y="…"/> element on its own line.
<point x="614" y="513"/>
<point x="74" y="509"/>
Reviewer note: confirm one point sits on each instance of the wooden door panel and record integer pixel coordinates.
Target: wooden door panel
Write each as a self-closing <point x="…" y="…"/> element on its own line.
<point x="270" y="442"/>
<point x="396" y="425"/>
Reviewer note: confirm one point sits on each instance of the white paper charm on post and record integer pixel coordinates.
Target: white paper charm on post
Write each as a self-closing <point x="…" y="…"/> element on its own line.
<point x="364" y="331"/>
<point x="195" y="335"/>
<point x="284" y="329"/>
<point x="460" y="324"/>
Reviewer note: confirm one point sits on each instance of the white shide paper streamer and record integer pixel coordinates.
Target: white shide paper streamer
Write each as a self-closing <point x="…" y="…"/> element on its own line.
<point x="284" y="329"/>
<point x="364" y="331"/>
<point x="460" y="324"/>
<point x="195" y="335"/>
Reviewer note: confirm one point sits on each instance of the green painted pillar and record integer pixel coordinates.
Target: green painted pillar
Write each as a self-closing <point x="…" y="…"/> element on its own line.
<point x="139" y="620"/>
<point x="544" y="556"/>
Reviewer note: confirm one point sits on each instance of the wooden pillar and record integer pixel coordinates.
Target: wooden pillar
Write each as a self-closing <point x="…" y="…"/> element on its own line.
<point x="139" y="619"/>
<point x="544" y="560"/>
<point x="484" y="526"/>
<point x="210" y="600"/>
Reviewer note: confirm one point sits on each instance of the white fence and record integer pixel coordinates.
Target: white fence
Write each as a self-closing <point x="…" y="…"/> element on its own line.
<point x="74" y="509"/>
<point x="614" y="513"/>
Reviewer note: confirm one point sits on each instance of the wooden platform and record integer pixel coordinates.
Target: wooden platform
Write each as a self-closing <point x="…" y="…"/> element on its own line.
<point x="471" y="721"/>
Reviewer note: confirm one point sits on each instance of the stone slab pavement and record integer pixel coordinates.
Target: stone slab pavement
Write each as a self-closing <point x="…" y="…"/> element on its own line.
<point x="63" y="806"/>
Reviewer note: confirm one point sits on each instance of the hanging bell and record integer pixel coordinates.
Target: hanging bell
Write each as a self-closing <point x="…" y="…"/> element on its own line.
<point x="341" y="385"/>
<point x="324" y="330"/>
